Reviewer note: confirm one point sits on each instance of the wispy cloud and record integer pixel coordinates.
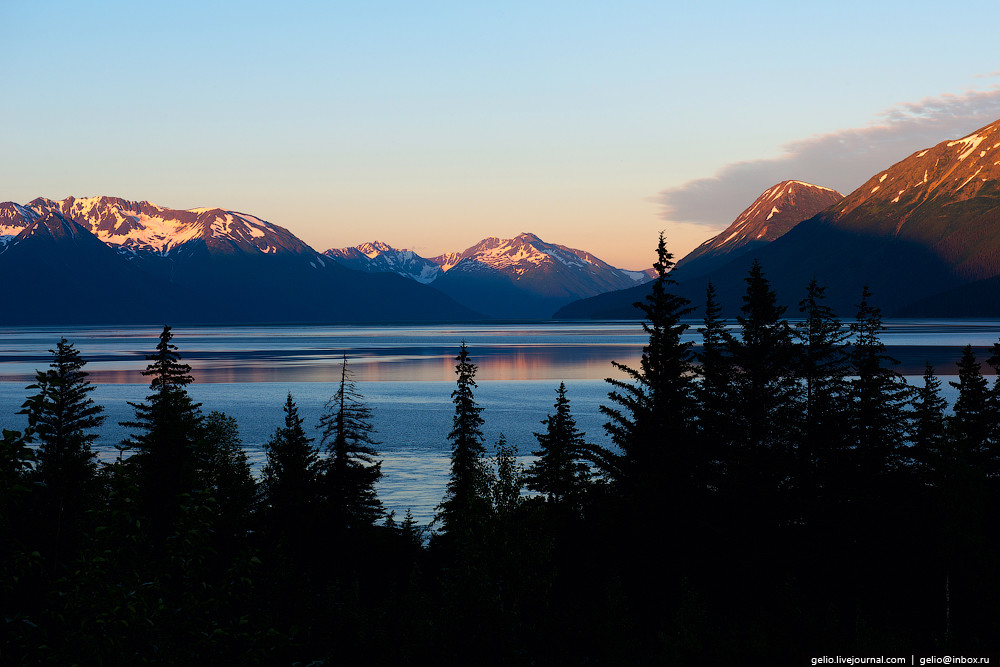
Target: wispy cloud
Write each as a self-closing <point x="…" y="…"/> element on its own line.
<point x="842" y="160"/>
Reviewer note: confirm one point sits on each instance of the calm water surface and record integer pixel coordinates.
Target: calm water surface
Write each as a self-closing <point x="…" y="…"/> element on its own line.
<point x="406" y="374"/>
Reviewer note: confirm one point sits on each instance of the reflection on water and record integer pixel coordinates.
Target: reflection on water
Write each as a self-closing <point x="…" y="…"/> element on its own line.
<point x="289" y="353"/>
<point x="314" y="353"/>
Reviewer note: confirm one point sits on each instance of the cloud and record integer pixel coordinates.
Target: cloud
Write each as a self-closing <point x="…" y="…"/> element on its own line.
<point x="842" y="160"/>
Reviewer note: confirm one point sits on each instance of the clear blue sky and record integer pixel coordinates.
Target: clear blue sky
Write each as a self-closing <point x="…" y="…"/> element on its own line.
<point x="430" y="125"/>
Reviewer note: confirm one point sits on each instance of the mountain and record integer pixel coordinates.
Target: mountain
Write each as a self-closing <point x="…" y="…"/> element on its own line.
<point x="923" y="234"/>
<point x="945" y="199"/>
<point x="519" y="278"/>
<point x="525" y="277"/>
<point x="145" y="227"/>
<point x="770" y="216"/>
<point x="157" y="264"/>
<point x="58" y="272"/>
<point x="378" y="257"/>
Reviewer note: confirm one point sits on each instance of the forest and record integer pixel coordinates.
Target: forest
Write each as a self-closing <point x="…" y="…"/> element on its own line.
<point x="778" y="491"/>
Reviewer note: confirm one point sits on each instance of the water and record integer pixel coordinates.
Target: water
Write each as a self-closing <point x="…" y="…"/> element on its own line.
<point x="405" y="373"/>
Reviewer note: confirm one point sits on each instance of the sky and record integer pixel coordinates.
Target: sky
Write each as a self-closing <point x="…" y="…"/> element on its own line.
<point x="431" y="125"/>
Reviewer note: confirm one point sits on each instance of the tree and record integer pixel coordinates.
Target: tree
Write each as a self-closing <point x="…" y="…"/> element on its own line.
<point x="963" y="494"/>
<point x="879" y="396"/>
<point x="224" y="469"/>
<point x="63" y="416"/>
<point x="466" y="505"/>
<point x="168" y="426"/>
<point x="507" y="480"/>
<point x="714" y="389"/>
<point x="19" y="573"/>
<point x="764" y="411"/>
<point x="992" y="462"/>
<point x="291" y="471"/>
<point x="927" y="428"/>
<point x="350" y="471"/>
<point x="652" y="422"/>
<point x="17" y="461"/>
<point x="822" y="368"/>
<point x="764" y="355"/>
<point x="973" y="421"/>
<point x="560" y="472"/>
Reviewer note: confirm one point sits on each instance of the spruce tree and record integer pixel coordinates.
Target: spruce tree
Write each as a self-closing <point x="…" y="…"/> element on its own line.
<point x="224" y="469"/>
<point x="992" y="457"/>
<point x="350" y="470"/>
<point x="560" y="472"/>
<point x="507" y="480"/>
<point x="822" y="367"/>
<point x="714" y="388"/>
<point x="63" y="418"/>
<point x="466" y="505"/>
<point x="766" y="394"/>
<point x="965" y="508"/>
<point x="290" y="474"/>
<point x="879" y="395"/>
<point x="652" y="421"/>
<point x="973" y="421"/>
<point x="168" y="425"/>
<point x="927" y="428"/>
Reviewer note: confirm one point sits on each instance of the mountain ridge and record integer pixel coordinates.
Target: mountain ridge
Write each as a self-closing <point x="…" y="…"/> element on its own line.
<point x="204" y="265"/>
<point x="923" y="234"/>
<point x="521" y="277"/>
<point x="775" y="211"/>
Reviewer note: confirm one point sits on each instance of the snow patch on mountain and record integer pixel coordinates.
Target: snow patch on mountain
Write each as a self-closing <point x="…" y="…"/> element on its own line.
<point x="524" y="257"/>
<point x="972" y="141"/>
<point x="142" y="226"/>
<point x="379" y="257"/>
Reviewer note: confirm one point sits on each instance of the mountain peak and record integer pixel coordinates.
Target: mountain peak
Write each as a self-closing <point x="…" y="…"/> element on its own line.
<point x="375" y="248"/>
<point x="770" y="216"/>
<point x="147" y="227"/>
<point x="54" y="226"/>
<point x="379" y="257"/>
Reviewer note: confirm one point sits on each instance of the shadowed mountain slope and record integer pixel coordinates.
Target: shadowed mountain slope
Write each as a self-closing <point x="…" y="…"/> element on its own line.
<point x="924" y="234"/>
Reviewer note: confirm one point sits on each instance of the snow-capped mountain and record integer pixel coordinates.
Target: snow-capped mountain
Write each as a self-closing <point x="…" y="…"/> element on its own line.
<point x="945" y="198"/>
<point x="525" y="277"/>
<point x="378" y="257"/>
<point x="105" y="259"/>
<point x="142" y="226"/>
<point x="527" y="257"/>
<point x="448" y="259"/>
<point x="14" y="218"/>
<point x="770" y="216"/>
<point x="923" y="235"/>
<point x="522" y="277"/>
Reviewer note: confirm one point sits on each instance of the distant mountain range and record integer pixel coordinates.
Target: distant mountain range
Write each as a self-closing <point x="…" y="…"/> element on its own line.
<point x="924" y="234"/>
<point x="522" y="277"/>
<point x="111" y="260"/>
<point x="108" y="260"/>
